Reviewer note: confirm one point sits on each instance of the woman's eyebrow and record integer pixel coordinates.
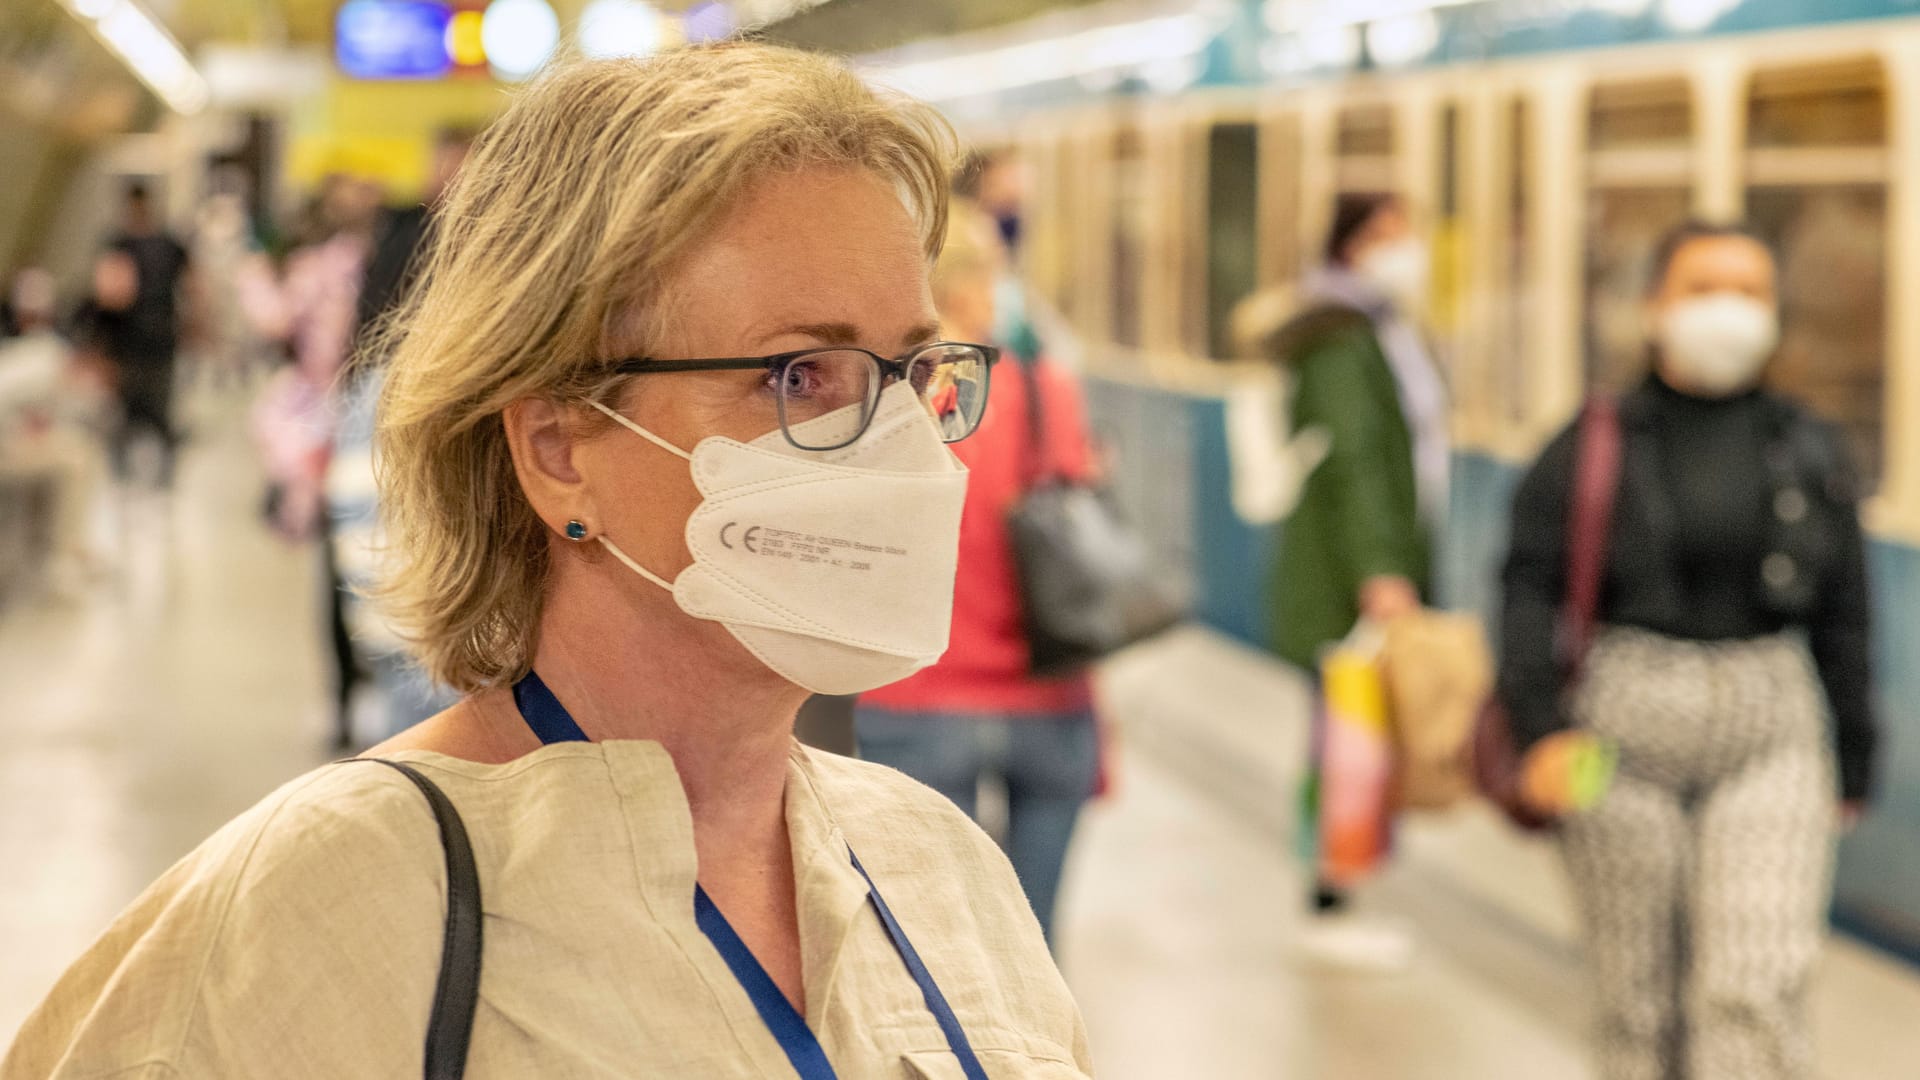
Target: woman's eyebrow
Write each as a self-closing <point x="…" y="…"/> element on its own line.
<point x="826" y="333"/>
<point x="846" y="333"/>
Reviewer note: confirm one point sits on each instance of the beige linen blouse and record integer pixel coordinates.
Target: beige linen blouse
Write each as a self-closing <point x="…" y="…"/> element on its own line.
<point x="303" y="939"/>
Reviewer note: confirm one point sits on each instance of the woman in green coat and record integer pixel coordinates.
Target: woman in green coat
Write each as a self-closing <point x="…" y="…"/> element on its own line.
<point x="1360" y="541"/>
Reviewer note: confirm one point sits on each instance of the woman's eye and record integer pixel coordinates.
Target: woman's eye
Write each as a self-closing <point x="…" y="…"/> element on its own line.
<point x="799" y="378"/>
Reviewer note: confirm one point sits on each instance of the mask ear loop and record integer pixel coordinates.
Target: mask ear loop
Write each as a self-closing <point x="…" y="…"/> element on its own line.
<point x="634" y="566"/>
<point x="642" y="432"/>
<point x="662" y="444"/>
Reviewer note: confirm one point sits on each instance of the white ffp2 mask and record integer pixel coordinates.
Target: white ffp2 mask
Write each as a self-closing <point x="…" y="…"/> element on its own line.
<point x="1400" y="271"/>
<point x="1717" y="344"/>
<point x="834" y="568"/>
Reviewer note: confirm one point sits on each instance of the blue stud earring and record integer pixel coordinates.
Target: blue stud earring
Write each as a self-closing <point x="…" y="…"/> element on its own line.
<point x="576" y="530"/>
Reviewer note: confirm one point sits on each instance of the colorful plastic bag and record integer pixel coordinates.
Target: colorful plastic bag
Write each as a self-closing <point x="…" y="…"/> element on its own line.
<point x="1355" y="784"/>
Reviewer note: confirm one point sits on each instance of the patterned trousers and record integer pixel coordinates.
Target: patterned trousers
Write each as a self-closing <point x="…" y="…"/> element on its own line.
<point x="1703" y="876"/>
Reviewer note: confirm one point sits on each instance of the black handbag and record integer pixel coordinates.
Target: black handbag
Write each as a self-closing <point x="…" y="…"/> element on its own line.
<point x="1089" y="584"/>
<point x="450" y="1026"/>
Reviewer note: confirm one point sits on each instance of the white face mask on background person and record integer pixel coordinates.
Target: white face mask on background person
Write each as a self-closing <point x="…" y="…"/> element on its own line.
<point x="1399" y="270"/>
<point x="835" y="568"/>
<point x="1717" y="345"/>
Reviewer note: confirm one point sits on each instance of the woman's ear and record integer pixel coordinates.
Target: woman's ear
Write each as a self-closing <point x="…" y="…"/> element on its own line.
<point x="544" y="442"/>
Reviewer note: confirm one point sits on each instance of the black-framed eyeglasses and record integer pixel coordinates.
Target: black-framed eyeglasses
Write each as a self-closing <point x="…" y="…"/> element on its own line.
<point x="816" y="390"/>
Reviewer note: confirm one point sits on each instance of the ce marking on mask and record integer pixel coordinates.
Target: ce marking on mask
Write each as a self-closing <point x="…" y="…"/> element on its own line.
<point x="804" y="548"/>
<point x="747" y="539"/>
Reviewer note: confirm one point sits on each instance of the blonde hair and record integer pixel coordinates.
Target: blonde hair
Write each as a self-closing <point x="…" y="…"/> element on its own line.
<point x="554" y="251"/>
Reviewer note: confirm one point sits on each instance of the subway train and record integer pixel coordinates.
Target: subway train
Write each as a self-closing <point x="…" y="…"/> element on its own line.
<point x="1545" y="146"/>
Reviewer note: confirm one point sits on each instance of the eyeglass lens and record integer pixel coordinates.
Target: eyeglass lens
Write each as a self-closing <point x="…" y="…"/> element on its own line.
<point x="951" y="381"/>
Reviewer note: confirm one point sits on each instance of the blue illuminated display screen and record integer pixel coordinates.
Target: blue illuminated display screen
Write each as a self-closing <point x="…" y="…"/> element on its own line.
<point x="392" y="39"/>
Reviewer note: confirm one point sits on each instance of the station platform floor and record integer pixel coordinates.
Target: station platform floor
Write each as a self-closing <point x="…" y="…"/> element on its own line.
<point x="146" y="709"/>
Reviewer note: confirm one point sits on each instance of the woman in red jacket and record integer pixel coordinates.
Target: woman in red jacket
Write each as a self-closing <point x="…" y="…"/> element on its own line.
<point x="978" y="712"/>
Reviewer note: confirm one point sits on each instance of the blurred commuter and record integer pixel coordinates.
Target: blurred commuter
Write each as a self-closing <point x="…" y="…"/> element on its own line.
<point x="587" y="545"/>
<point x="402" y="234"/>
<point x="35" y="359"/>
<point x="51" y="405"/>
<point x="978" y="713"/>
<point x="356" y="538"/>
<point x="997" y="184"/>
<point x="135" y="321"/>
<point x="223" y="246"/>
<point x="1359" y="542"/>
<point x="314" y="311"/>
<point x="1734" y="616"/>
<point x="156" y="315"/>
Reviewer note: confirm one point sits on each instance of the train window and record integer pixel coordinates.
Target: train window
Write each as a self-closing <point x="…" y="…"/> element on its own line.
<point x="1366" y="131"/>
<point x="1833" y="285"/>
<point x="1129" y="236"/>
<point x="1640" y="185"/>
<point x="1623" y="227"/>
<point x="1830" y="105"/>
<point x="1364" y="146"/>
<point x="1449" y="179"/>
<point x="1232" y="253"/>
<point x="1817" y="192"/>
<point x="1640" y="114"/>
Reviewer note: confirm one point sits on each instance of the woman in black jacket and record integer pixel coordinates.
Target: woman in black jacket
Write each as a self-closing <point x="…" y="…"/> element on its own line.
<point x="1734" y="624"/>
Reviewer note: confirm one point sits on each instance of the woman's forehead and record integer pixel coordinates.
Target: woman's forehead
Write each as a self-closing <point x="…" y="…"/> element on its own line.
<point x="1721" y="258"/>
<point x="809" y="248"/>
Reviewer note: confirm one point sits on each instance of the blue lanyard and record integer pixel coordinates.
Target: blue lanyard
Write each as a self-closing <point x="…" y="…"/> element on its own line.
<point x="552" y="723"/>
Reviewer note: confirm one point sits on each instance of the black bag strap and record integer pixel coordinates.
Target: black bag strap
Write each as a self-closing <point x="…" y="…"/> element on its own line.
<point x="450" y="1028"/>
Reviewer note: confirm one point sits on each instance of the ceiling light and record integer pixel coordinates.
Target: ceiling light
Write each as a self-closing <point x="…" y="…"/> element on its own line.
<point x="619" y="28"/>
<point x="519" y="36"/>
<point x="1693" y="16"/>
<point x="1068" y="56"/>
<point x="1173" y="74"/>
<point x="148" y="51"/>
<point x="1402" y="39"/>
<point x="1626" y="9"/>
<point x="1295" y="16"/>
<point x="1331" y="46"/>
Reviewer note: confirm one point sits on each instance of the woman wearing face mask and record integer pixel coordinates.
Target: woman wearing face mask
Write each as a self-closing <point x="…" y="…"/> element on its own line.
<point x="1733" y="618"/>
<point x="663" y="447"/>
<point x="1359" y="543"/>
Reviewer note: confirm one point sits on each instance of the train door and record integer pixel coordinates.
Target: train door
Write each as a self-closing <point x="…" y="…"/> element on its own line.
<point x="1640" y="184"/>
<point x="1231" y="258"/>
<point x="1817" y="175"/>
<point x="1490" y="375"/>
